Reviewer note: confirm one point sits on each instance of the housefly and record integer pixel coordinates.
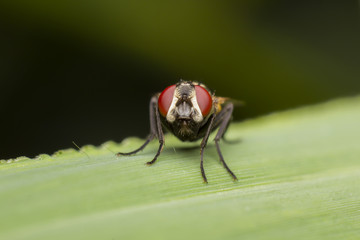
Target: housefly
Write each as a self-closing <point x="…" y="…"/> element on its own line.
<point x="191" y="112"/>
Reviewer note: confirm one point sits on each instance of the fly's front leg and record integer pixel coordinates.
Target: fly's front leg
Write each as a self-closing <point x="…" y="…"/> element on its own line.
<point x="224" y="119"/>
<point x="148" y="139"/>
<point x="203" y="145"/>
<point x="157" y="130"/>
<point x="153" y="129"/>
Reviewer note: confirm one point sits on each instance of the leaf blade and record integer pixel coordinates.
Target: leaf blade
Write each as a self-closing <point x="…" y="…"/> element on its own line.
<point x="296" y="172"/>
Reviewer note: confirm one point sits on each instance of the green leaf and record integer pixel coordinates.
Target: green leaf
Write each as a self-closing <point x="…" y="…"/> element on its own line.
<point x="298" y="178"/>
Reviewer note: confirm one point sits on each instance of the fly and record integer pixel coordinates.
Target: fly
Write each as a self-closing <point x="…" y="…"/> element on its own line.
<point x="191" y="112"/>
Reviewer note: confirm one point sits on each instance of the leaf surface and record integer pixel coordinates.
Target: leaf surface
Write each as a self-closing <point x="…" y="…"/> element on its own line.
<point x="299" y="174"/>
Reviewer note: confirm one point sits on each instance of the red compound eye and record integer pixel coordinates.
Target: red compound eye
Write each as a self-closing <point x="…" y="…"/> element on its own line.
<point x="204" y="100"/>
<point x="165" y="99"/>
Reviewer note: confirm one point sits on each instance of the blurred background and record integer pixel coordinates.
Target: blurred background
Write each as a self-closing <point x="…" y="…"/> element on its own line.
<point x="84" y="71"/>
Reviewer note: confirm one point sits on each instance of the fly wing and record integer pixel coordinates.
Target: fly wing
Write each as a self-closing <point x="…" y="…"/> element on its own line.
<point x="219" y="102"/>
<point x="237" y="103"/>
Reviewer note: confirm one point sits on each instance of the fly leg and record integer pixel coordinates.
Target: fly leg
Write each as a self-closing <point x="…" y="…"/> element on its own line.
<point x="148" y="139"/>
<point x="203" y="145"/>
<point x="157" y="128"/>
<point x="223" y="119"/>
<point x="155" y="125"/>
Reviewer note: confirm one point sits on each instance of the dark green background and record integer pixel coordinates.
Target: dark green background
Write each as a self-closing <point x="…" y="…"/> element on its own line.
<point x="84" y="71"/>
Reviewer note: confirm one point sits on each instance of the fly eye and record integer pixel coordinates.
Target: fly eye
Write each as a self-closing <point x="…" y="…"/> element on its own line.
<point x="165" y="99"/>
<point x="204" y="100"/>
